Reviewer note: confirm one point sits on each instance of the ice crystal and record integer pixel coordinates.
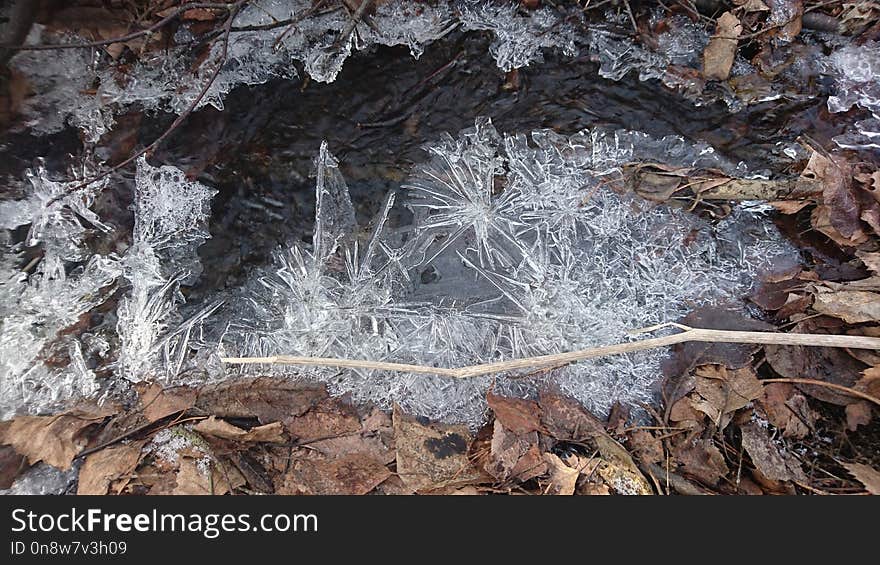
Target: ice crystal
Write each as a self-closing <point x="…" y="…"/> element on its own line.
<point x="42" y="479"/>
<point x="519" y="38"/>
<point x="170" y="213"/>
<point x="856" y="70"/>
<point x="517" y="248"/>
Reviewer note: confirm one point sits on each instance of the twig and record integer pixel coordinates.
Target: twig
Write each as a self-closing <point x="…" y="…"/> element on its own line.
<point x="134" y="35"/>
<point x="233" y="11"/>
<point x="353" y="22"/>
<point x="688" y="335"/>
<point x="841" y="388"/>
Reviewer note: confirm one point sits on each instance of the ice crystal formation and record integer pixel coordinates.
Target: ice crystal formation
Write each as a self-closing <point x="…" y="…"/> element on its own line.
<point x="516" y="248"/>
<point x="856" y="69"/>
<point x="42" y="362"/>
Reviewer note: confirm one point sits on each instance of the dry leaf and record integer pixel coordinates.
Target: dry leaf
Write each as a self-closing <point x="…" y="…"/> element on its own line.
<point x="787" y="409"/>
<point x="722" y="392"/>
<point x="851" y="306"/>
<point x="871" y="261"/>
<point x="720" y="52"/>
<point x="700" y="459"/>
<point x="12" y="464"/>
<point x="350" y="475"/>
<point x="646" y="447"/>
<point x="858" y="414"/>
<point x="158" y="403"/>
<point x="565" y="419"/>
<point x="328" y="419"/>
<point x="55" y="440"/>
<point x="866" y="475"/>
<point x="107" y="465"/>
<point x="563" y="479"/>
<point x="269" y="433"/>
<point x="267" y="399"/>
<point x="517" y="415"/>
<point x="514" y="455"/>
<point x="770" y="462"/>
<point x="431" y="456"/>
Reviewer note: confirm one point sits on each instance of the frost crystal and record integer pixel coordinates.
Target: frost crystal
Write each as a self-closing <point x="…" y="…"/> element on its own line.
<point x="519" y="39"/>
<point x="856" y="69"/>
<point x="170" y="213"/>
<point x="517" y="248"/>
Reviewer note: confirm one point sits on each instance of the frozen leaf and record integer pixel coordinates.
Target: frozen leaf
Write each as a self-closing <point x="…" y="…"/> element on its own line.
<point x="270" y="433"/>
<point x="431" y="456"/>
<point x="563" y="478"/>
<point x="720" y="52"/>
<point x="100" y="469"/>
<point x="55" y="440"/>
<point x="852" y="306"/>
<point x="866" y="475"/>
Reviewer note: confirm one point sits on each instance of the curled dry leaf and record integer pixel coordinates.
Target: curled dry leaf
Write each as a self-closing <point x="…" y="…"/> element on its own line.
<point x="720" y="52"/>
<point x="858" y="414"/>
<point x="55" y="440"/>
<point x="700" y="459"/>
<point x="720" y="392"/>
<point x="517" y="415"/>
<point x="268" y="433"/>
<point x="158" y="403"/>
<point x="266" y="398"/>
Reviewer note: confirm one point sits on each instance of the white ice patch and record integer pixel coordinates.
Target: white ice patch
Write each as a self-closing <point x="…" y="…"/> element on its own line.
<point x="856" y="70"/>
<point x="517" y="248"/>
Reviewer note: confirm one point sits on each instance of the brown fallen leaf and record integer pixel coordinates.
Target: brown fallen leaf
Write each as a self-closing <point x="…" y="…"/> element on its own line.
<point x="771" y="463"/>
<point x="12" y="464"/>
<point x="646" y="446"/>
<point x="107" y="465"/>
<point x="720" y="52"/>
<point x="618" y="469"/>
<point x="840" y="210"/>
<point x="158" y="402"/>
<point x="517" y="415"/>
<point x="701" y="459"/>
<point x="268" y="433"/>
<point x="563" y="479"/>
<point x="329" y="418"/>
<point x="851" y="306"/>
<point x="787" y="409"/>
<point x="866" y="475"/>
<point x="431" y="456"/>
<point x="565" y="419"/>
<point x="268" y="399"/>
<point x="55" y="440"/>
<point x="858" y="414"/>
<point x="515" y="456"/>
<point x="349" y="475"/>
<point x="720" y="392"/>
<point x="871" y="260"/>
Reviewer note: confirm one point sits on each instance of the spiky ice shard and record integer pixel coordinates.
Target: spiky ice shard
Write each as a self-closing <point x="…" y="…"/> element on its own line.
<point x="856" y="70"/>
<point x="170" y="214"/>
<point x="517" y="248"/>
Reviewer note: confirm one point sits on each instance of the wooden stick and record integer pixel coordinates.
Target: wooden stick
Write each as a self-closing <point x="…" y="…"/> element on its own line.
<point x="688" y="335"/>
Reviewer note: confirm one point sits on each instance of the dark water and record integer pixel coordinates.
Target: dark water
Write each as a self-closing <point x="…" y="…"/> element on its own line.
<point x="383" y="106"/>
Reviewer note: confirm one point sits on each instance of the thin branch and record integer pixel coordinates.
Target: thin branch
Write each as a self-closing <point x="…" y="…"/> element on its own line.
<point x="134" y="35"/>
<point x="837" y="387"/>
<point x="688" y="335"/>
<point x="233" y="11"/>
